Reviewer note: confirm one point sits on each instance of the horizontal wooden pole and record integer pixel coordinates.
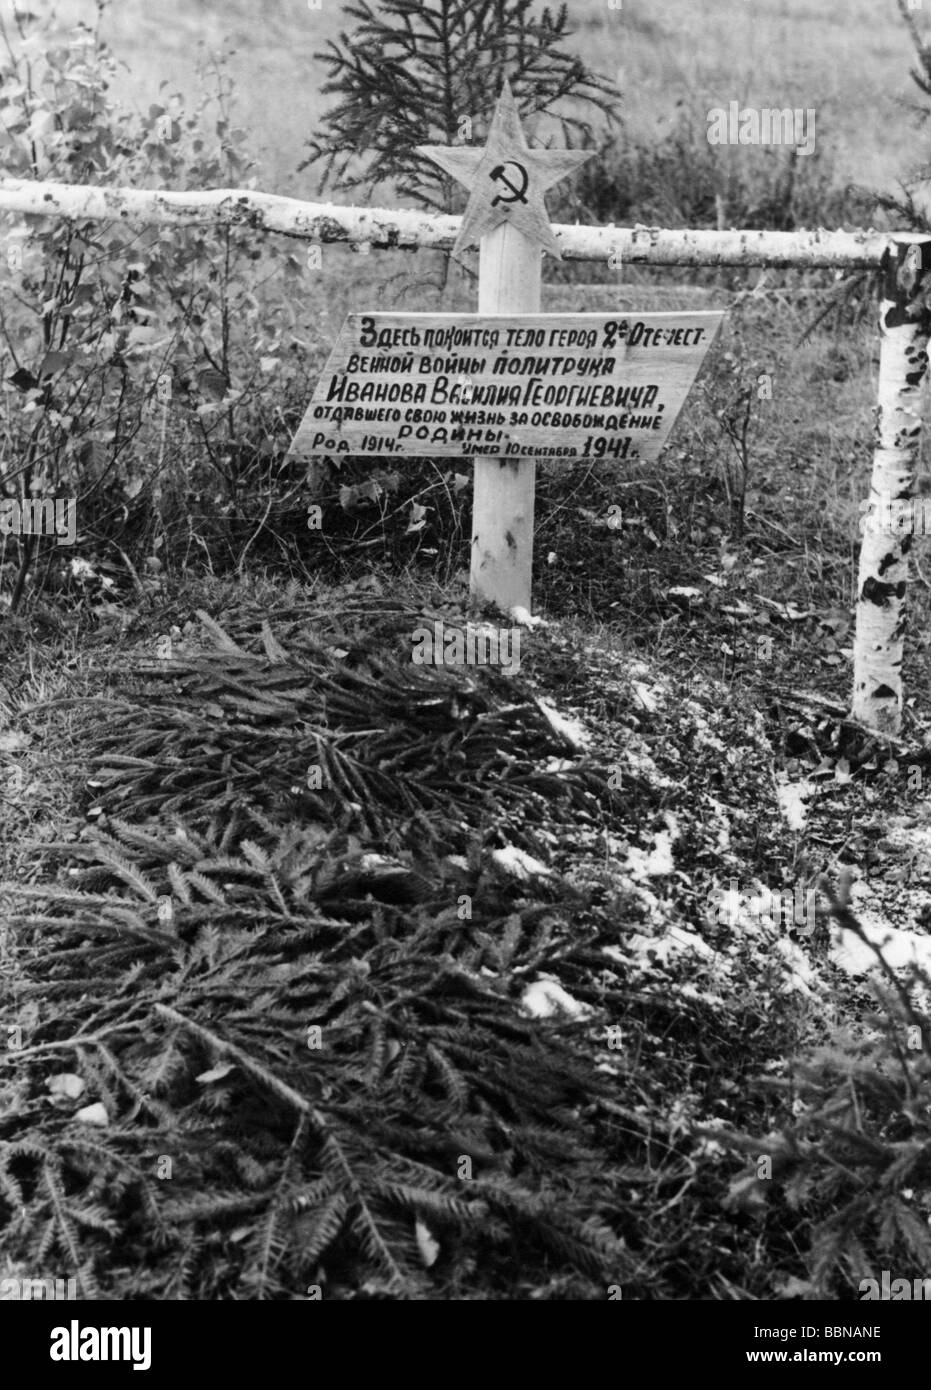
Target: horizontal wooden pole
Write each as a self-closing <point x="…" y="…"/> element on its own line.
<point x="411" y="229"/>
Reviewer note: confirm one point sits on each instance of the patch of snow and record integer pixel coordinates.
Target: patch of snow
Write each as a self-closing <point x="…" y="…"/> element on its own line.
<point x="572" y="730"/>
<point x="644" y="697"/>
<point x="722" y="814"/>
<point x="637" y="760"/>
<point x="703" y="996"/>
<point x="905" y="833"/>
<point x="546" y="997"/>
<point x="901" y="949"/>
<point x="688" y="941"/>
<point x="654" y="863"/>
<point x="523" y="617"/>
<point x="370" y="862"/>
<point x="677" y="941"/>
<point x="517" y="862"/>
<point x="791" y="797"/>
<point x="801" y="977"/>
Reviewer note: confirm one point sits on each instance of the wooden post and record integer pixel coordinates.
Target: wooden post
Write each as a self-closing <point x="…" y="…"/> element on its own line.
<point x="507" y="216"/>
<point x="890" y="517"/>
<point x="509" y="282"/>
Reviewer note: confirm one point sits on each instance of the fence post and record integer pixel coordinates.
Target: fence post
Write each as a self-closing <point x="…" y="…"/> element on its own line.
<point x="888" y="520"/>
<point x="509" y="282"/>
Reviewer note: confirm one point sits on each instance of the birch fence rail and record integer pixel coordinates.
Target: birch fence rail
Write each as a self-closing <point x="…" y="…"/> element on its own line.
<point x="904" y="320"/>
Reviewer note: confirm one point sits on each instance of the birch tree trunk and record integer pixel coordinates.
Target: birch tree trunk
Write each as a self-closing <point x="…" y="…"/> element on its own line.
<point x="888" y="522"/>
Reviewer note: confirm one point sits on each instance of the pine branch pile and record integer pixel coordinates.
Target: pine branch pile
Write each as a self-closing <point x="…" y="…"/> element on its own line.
<point x="284" y="1033"/>
<point x="422" y="754"/>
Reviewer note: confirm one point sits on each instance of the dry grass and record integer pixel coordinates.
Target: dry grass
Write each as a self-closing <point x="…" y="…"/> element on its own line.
<point x="850" y="61"/>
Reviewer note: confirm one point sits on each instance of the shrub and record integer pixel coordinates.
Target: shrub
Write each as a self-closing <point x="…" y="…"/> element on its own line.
<point x="137" y="361"/>
<point x="679" y="180"/>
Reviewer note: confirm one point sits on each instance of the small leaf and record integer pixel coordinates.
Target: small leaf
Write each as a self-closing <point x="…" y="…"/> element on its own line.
<point x="140" y="336"/>
<point x="212" y="384"/>
<point x="53" y="362"/>
<point x="23" y="380"/>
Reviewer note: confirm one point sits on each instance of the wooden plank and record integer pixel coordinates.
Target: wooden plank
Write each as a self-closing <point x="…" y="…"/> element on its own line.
<point x="551" y="386"/>
<point x="510" y="276"/>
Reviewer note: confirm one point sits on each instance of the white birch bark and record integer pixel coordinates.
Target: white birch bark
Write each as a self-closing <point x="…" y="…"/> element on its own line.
<point x="877" y="698"/>
<point x="410" y="229"/>
<point x="887" y="525"/>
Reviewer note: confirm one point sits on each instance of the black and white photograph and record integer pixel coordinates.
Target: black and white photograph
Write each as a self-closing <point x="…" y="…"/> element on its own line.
<point x="465" y="674"/>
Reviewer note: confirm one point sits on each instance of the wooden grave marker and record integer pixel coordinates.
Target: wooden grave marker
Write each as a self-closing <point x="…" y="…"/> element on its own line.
<point x="507" y="385"/>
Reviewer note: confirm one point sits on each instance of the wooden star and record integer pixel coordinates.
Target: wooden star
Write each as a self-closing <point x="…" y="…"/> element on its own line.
<point x="507" y="179"/>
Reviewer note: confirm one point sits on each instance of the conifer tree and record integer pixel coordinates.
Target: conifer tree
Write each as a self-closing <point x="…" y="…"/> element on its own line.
<point x="418" y="72"/>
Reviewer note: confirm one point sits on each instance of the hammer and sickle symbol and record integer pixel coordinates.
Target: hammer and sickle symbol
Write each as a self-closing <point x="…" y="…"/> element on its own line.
<point x="517" y="193"/>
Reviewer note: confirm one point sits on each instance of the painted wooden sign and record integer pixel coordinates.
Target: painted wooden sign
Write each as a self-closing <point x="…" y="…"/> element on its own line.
<point x="507" y="385"/>
<point x="536" y="386"/>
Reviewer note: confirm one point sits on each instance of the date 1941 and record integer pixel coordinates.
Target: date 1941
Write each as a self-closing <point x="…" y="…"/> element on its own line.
<point x="600" y="446"/>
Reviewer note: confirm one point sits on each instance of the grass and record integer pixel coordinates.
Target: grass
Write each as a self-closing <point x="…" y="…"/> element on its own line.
<point x="680" y="694"/>
<point x="707" y="654"/>
<point x="849" y="61"/>
<point x="590" y="906"/>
